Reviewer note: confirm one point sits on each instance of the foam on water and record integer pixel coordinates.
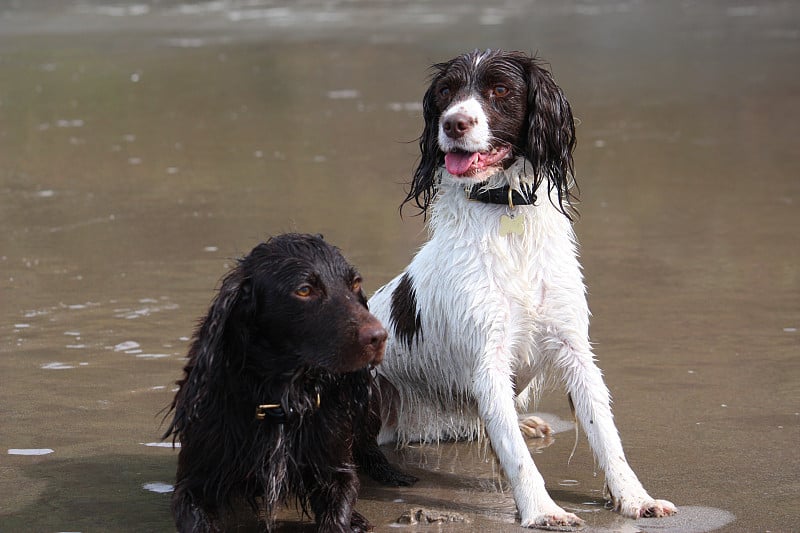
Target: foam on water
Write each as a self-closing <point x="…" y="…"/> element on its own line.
<point x="70" y="123"/>
<point x="161" y="444"/>
<point x="30" y="451"/>
<point x="134" y="10"/>
<point x="186" y="42"/>
<point x="282" y="14"/>
<point x="343" y="94"/>
<point x="405" y="106"/>
<point x="131" y="314"/>
<point x="159" y="487"/>
<point x="55" y="365"/>
<point x="202" y="8"/>
<point x="126" y="346"/>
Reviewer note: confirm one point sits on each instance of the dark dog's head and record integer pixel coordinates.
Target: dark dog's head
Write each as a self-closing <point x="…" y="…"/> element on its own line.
<point x="294" y="301"/>
<point x="483" y="110"/>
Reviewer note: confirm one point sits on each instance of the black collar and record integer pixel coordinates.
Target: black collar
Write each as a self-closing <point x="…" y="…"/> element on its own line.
<point x="274" y="412"/>
<point x="271" y="411"/>
<point x="500" y="196"/>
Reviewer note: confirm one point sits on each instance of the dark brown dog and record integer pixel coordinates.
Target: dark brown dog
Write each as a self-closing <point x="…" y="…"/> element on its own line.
<point x="277" y="403"/>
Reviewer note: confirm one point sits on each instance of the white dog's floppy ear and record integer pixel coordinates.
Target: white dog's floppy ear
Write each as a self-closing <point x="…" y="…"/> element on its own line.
<point x="423" y="184"/>
<point x="551" y="134"/>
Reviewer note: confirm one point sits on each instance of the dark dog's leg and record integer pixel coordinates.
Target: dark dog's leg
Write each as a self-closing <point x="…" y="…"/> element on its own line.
<point x="334" y="503"/>
<point x="371" y="461"/>
<point x="359" y="522"/>
<point x="190" y="513"/>
<point x="368" y="455"/>
<point x="190" y="517"/>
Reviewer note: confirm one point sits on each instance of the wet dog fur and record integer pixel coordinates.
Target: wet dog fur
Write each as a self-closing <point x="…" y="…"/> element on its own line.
<point x="493" y="307"/>
<point x="277" y="402"/>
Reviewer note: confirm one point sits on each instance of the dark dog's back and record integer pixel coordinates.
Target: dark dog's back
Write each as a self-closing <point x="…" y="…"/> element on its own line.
<point x="276" y="402"/>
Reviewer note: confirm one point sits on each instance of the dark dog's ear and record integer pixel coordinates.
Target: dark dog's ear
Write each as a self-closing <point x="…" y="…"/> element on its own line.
<point x="431" y="158"/>
<point x="551" y="135"/>
<point x="207" y="352"/>
<point x="209" y="342"/>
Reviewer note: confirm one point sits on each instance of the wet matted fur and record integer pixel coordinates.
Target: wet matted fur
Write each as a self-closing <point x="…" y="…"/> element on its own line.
<point x="277" y="404"/>
<point x="493" y="306"/>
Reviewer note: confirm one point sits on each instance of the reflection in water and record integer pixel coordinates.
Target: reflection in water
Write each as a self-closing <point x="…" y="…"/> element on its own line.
<point x="145" y="145"/>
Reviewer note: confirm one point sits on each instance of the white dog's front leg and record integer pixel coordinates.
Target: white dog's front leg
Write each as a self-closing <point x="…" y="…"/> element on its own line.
<point x="495" y="397"/>
<point x="590" y="396"/>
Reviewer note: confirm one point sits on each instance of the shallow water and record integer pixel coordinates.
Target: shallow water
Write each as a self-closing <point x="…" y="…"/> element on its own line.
<point x="145" y="145"/>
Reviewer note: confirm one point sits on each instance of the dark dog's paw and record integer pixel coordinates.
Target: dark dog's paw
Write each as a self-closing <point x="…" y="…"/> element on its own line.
<point x="388" y="475"/>
<point x="401" y="479"/>
<point x="359" y="523"/>
<point x="372" y="462"/>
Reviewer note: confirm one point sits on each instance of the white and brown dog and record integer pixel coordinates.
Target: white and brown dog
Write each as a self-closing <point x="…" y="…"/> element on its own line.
<point x="493" y="305"/>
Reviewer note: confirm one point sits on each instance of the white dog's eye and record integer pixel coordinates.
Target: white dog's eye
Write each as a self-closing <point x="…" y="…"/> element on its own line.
<point x="500" y="91"/>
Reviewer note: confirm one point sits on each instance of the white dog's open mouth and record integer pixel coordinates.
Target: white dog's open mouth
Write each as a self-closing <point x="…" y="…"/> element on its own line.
<point x="467" y="164"/>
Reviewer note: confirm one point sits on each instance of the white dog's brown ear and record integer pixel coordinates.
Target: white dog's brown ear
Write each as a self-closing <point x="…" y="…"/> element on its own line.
<point x="551" y="134"/>
<point x="431" y="157"/>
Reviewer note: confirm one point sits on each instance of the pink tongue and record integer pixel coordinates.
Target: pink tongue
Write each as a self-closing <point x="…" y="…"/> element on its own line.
<point x="458" y="163"/>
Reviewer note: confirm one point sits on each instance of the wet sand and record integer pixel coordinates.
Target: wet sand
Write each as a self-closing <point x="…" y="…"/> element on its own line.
<point x="143" y="146"/>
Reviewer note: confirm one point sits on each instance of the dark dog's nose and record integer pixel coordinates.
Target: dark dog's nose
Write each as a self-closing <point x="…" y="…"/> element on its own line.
<point x="372" y="335"/>
<point x="457" y="124"/>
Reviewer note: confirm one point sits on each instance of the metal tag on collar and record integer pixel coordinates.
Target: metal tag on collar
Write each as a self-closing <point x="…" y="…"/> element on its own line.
<point x="510" y="223"/>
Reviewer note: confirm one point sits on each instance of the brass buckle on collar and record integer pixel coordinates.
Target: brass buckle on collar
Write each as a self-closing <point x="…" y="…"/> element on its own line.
<point x="275" y="410"/>
<point x="264" y="409"/>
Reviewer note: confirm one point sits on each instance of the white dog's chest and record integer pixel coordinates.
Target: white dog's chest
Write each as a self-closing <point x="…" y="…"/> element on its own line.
<point x="481" y="297"/>
<point x="489" y="289"/>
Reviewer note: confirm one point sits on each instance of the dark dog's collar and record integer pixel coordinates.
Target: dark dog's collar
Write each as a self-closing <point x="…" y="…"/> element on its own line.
<point x="271" y="411"/>
<point x="275" y="412"/>
<point x="500" y="196"/>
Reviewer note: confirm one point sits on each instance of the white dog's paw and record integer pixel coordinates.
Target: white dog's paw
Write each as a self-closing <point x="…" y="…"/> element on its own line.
<point x="559" y="520"/>
<point x="657" y="509"/>
<point x="534" y="427"/>
<point x="648" y="508"/>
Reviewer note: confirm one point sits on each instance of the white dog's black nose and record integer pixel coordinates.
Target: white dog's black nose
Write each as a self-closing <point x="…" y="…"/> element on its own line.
<point x="457" y="125"/>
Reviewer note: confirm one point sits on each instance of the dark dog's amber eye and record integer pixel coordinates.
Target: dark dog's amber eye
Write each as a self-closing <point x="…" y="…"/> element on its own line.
<point x="500" y="90"/>
<point x="356" y="287"/>
<point x="304" y="291"/>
